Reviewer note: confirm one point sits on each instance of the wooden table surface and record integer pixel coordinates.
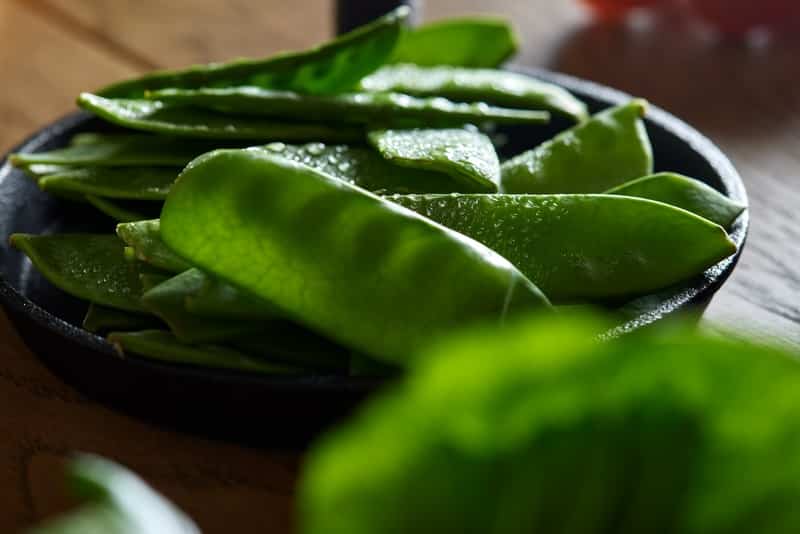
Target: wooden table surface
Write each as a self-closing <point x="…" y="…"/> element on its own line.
<point x="744" y="98"/>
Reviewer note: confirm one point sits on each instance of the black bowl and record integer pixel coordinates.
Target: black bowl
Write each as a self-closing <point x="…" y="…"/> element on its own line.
<point x="263" y="408"/>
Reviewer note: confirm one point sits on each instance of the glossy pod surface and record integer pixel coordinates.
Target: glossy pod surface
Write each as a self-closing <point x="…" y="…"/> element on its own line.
<point x="497" y="87"/>
<point x="167" y="300"/>
<point x="88" y="266"/>
<point x="686" y="193"/>
<point x="175" y="120"/>
<point x="333" y="67"/>
<point x="467" y="156"/>
<point x="610" y="148"/>
<point x="141" y="183"/>
<point x="118" y="150"/>
<point x="391" y="279"/>
<point x="466" y="42"/>
<point x="576" y="247"/>
<point x="366" y="168"/>
<point x="358" y="108"/>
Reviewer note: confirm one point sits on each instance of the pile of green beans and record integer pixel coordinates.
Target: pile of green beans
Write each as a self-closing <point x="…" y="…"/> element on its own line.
<point x="346" y="203"/>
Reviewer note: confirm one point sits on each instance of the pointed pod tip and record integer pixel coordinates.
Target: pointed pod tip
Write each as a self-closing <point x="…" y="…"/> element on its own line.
<point x="641" y="105"/>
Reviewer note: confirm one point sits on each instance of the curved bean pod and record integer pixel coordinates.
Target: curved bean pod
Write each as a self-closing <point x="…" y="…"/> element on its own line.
<point x="497" y="87"/>
<point x="609" y="149"/>
<point x="88" y="266"/>
<point x="158" y="117"/>
<point x="464" y="42"/>
<point x="332" y="67"/>
<point x="469" y="157"/>
<point x="358" y="108"/>
<point x="683" y="192"/>
<point x="138" y="183"/>
<point x="362" y="270"/>
<point x="578" y="247"/>
<point x="163" y="346"/>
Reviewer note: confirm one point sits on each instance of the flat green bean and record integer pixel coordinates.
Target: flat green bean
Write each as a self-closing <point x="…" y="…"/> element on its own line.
<point x="584" y="247"/>
<point x="683" y="192"/>
<point x="330" y="68"/>
<point x="344" y="262"/>
<point x="137" y="183"/>
<point x="468" y="156"/>
<point x="365" y="168"/>
<point x="497" y="87"/>
<point x="168" y="301"/>
<point x="357" y="108"/>
<point x="124" y="210"/>
<point x="121" y="150"/>
<point x="607" y="150"/>
<point x="104" y="319"/>
<point x="88" y="266"/>
<point x="181" y="121"/>
<point x="464" y="42"/>
<point x="163" y="346"/>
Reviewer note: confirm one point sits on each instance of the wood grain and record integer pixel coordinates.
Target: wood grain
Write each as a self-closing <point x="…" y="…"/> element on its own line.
<point x="744" y="98"/>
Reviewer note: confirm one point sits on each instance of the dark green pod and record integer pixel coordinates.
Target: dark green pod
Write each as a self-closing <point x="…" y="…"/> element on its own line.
<point x="584" y="247"/>
<point x="463" y="42"/>
<point x="103" y="319"/>
<point x="168" y="301"/>
<point x="497" y="87"/>
<point x="137" y="183"/>
<point x="180" y="121"/>
<point x="467" y="156"/>
<point x="163" y="346"/>
<point x="607" y="150"/>
<point x="683" y="192"/>
<point x="123" y="210"/>
<point x="330" y="68"/>
<point x="89" y="266"/>
<point x="121" y="150"/>
<point x="365" y="168"/>
<point x="392" y="109"/>
<point x="357" y="268"/>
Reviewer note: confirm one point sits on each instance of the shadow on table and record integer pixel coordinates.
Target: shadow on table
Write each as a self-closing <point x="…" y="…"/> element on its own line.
<point x="729" y="87"/>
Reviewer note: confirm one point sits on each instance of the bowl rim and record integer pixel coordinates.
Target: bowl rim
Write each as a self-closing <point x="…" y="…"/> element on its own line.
<point x="685" y="297"/>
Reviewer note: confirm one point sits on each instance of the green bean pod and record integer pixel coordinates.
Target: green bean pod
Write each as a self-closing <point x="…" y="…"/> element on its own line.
<point x="359" y="269"/>
<point x="607" y="150"/>
<point x="164" y="346"/>
<point x="118" y="150"/>
<point x="357" y="108"/>
<point x="584" y="247"/>
<point x="468" y="156"/>
<point x="88" y="266"/>
<point x="168" y="301"/>
<point x="180" y="121"/>
<point x="464" y="42"/>
<point x="496" y="87"/>
<point x="137" y="183"/>
<point x="683" y="192"/>
<point x="330" y="68"/>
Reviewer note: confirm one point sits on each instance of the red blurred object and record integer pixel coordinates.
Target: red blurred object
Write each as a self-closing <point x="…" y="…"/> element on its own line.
<point x="738" y="17"/>
<point x="615" y="9"/>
